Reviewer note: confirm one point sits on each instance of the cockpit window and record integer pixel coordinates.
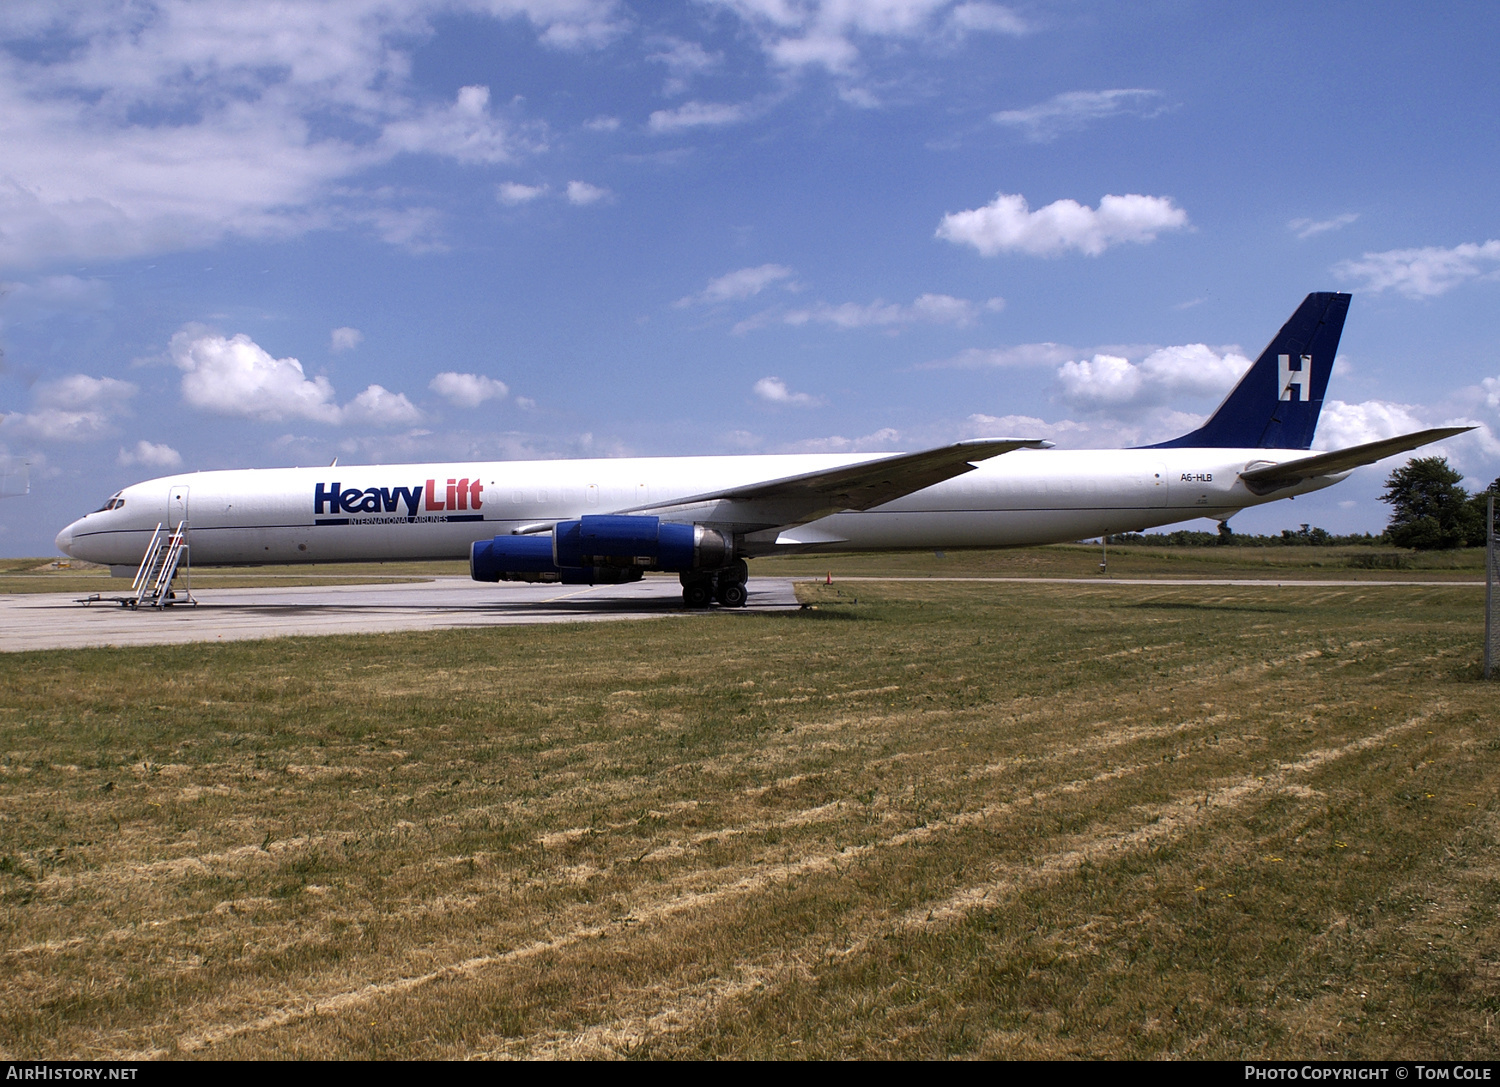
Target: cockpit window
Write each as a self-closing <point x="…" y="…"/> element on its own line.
<point x="114" y="503"/>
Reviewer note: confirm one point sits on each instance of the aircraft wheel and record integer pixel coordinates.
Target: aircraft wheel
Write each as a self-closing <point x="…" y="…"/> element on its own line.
<point x="696" y="594"/>
<point x="733" y="594"/>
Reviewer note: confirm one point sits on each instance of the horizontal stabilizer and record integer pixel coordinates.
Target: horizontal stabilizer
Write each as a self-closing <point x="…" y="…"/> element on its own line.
<point x="862" y="486"/>
<point x="1273" y="477"/>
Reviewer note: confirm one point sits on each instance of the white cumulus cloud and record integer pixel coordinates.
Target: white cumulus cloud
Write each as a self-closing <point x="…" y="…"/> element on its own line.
<point x="1422" y="273"/>
<point x="1098" y="432"/>
<point x="744" y="283"/>
<point x="170" y="125"/>
<point x="513" y="193"/>
<point x="1073" y="110"/>
<point x="937" y="309"/>
<point x="774" y="391"/>
<point x="1111" y="381"/>
<point x="1307" y="228"/>
<point x="79" y="392"/>
<point x="582" y="193"/>
<point x="697" y="115"/>
<point x="378" y="406"/>
<point x="831" y="33"/>
<point x="986" y="17"/>
<point x="1102" y="380"/>
<point x="1021" y="354"/>
<point x="76" y="408"/>
<point x="57" y="425"/>
<point x="880" y="441"/>
<point x="48" y="296"/>
<point x="235" y="376"/>
<point x="683" y="61"/>
<point x="467" y="390"/>
<point x="1341" y="424"/>
<point x="464" y="130"/>
<point x="1006" y="224"/>
<point x="150" y="454"/>
<point x="345" y="339"/>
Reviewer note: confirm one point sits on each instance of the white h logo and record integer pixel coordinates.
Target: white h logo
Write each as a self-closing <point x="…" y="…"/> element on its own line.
<point x="1299" y="378"/>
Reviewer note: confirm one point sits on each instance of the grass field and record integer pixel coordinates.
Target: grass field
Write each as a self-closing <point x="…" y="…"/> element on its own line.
<point x="1145" y="560"/>
<point x="991" y="820"/>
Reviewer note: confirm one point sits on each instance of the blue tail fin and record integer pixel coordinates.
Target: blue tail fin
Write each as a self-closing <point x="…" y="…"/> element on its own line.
<point x="1276" y="404"/>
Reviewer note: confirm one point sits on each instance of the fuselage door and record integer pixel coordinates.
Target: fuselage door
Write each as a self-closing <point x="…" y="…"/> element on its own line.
<point x="177" y="506"/>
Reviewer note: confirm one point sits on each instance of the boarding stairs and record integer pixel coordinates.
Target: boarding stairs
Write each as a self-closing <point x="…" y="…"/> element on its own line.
<point x="166" y="557"/>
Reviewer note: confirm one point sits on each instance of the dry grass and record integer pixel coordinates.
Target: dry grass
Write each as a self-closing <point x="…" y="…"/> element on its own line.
<point x="942" y="821"/>
<point x="1361" y="563"/>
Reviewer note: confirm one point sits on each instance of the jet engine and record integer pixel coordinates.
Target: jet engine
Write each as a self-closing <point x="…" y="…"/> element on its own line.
<point x="529" y="558"/>
<point x="602" y="549"/>
<point x="635" y="542"/>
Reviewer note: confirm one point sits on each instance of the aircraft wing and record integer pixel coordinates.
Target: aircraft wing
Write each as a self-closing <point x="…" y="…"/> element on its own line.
<point x="795" y="500"/>
<point x="1273" y="477"/>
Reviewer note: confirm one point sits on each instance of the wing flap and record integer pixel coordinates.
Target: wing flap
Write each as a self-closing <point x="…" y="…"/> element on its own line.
<point x="1289" y="473"/>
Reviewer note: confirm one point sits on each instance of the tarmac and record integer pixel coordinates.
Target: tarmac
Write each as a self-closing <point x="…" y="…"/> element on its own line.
<point x="38" y="621"/>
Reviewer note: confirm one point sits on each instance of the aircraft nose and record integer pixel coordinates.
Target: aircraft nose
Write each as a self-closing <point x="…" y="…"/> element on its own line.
<point x="64" y="540"/>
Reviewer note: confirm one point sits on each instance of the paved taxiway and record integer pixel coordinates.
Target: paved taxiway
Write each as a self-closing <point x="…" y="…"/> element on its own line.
<point x="58" y="621"/>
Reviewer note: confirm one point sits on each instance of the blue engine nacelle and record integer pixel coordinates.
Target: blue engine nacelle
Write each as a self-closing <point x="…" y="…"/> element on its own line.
<point x="640" y="543"/>
<point x="606" y="549"/>
<point x="529" y="558"/>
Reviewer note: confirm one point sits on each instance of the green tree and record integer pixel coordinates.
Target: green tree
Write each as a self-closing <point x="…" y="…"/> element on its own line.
<point x="1429" y="510"/>
<point x="1478" y="511"/>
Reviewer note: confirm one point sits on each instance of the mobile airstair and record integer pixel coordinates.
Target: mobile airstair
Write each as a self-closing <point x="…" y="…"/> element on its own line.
<point x="166" y="557"/>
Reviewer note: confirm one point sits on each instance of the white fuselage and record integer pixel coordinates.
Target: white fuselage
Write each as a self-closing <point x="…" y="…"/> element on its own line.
<point x="436" y="511"/>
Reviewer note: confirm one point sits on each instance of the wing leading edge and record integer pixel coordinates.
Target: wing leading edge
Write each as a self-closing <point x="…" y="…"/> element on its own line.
<point x="795" y="500"/>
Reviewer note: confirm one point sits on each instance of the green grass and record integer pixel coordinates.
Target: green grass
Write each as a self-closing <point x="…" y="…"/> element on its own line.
<point x="33" y="575"/>
<point x="990" y="820"/>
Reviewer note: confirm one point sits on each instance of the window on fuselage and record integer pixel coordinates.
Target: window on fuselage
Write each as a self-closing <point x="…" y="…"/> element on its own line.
<point x="114" y="502"/>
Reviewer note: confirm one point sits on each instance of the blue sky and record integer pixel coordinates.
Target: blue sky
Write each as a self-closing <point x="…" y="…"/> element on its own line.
<point x="245" y="234"/>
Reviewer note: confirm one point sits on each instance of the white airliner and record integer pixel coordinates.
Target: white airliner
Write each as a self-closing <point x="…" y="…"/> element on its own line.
<point x="587" y="521"/>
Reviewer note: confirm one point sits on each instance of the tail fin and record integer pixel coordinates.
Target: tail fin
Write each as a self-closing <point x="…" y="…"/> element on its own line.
<point x="1276" y="404"/>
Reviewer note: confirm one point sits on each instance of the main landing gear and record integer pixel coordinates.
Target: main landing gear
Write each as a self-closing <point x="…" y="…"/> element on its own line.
<point x="727" y="586"/>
